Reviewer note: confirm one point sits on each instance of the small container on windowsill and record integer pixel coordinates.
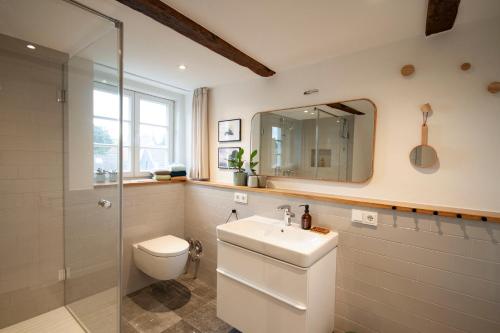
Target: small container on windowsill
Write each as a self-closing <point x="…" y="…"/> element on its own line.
<point x="240" y="178"/>
<point x="262" y="181"/>
<point x="253" y="181"/>
<point x="113" y="176"/>
<point x="100" y="178"/>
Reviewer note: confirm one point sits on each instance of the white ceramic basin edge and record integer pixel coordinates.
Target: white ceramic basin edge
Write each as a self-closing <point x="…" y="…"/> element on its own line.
<point x="272" y="238"/>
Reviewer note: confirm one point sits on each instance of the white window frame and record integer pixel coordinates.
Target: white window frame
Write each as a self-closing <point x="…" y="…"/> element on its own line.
<point x="136" y="130"/>
<point x="135" y="98"/>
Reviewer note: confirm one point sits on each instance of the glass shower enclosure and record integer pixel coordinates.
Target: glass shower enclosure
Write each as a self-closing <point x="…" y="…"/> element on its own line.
<point x="60" y="217"/>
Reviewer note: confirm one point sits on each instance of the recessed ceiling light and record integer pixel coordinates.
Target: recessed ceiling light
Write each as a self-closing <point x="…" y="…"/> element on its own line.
<point x="306" y="111"/>
<point x="182" y="67"/>
<point x="31" y="46"/>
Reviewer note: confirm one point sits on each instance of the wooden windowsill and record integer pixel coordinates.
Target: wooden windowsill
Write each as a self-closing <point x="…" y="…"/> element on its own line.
<point x="143" y="181"/>
<point x="468" y="214"/>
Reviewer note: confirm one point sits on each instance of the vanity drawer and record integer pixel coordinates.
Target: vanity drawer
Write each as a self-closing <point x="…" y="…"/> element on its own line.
<point x="284" y="282"/>
<point x="251" y="311"/>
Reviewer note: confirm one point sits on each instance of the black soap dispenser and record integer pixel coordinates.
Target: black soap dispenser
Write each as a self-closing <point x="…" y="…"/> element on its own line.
<point x="306" y="219"/>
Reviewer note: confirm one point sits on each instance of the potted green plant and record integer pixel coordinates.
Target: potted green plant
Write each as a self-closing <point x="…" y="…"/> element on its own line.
<point x="100" y="176"/>
<point x="253" y="163"/>
<point x="236" y="162"/>
<point x="253" y="180"/>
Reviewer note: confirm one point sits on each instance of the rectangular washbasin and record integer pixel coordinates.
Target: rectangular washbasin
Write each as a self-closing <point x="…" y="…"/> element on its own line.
<point x="272" y="238"/>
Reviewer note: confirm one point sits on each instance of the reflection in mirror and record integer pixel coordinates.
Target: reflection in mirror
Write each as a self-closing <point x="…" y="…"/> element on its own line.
<point x="423" y="156"/>
<point x="330" y="141"/>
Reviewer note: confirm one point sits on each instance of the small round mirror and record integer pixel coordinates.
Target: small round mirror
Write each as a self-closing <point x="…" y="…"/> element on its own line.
<point x="423" y="156"/>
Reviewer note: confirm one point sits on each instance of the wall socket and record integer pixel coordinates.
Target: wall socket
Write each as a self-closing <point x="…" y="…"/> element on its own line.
<point x="240" y="197"/>
<point x="365" y="217"/>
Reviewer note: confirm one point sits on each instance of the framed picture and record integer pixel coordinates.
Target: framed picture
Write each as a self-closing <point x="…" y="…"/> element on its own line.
<point x="230" y="130"/>
<point x="226" y="153"/>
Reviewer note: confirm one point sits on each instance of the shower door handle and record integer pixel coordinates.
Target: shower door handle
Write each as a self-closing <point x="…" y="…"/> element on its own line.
<point x="104" y="204"/>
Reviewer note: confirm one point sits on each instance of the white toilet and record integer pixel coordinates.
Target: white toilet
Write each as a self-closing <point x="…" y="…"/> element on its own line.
<point x="162" y="258"/>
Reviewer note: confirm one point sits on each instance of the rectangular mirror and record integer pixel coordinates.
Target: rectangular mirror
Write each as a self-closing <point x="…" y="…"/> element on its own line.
<point x="333" y="141"/>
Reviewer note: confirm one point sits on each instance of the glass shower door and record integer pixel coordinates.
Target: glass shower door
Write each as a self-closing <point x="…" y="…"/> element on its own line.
<point x="59" y="232"/>
<point x="334" y="146"/>
<point x="92" y="180"/>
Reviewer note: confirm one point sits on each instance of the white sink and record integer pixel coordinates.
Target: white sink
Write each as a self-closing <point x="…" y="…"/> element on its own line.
<point x="272" y="238"/>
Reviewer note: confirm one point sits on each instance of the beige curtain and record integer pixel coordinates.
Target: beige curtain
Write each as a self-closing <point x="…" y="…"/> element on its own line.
<point x="200" y="168"/>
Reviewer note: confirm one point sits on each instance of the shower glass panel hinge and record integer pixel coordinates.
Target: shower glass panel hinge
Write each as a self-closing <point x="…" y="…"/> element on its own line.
<point x="64" y="274"/>
<point x="61" y="96"/>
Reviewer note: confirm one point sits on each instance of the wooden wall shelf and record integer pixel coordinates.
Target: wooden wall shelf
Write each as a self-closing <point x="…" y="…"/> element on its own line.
<point x="468" y="214"/>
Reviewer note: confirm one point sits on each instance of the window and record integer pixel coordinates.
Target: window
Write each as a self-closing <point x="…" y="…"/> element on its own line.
<point x="147" y="131"/>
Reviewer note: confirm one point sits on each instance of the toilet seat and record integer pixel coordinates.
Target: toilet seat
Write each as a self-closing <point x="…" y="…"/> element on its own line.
<point x="162" y="258"/>
<point x="165" y="246"/>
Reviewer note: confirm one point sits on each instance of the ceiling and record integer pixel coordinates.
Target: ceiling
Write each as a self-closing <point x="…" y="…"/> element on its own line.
<point x="281" y="34"/>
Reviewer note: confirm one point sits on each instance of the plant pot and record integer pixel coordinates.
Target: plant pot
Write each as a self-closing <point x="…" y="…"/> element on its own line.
<point x="113" y="177"/>
<point x="100" y="178"/>
<point x="240" y="178"/>
<point x="253" y="181"/>
<point x="262" y="181"/>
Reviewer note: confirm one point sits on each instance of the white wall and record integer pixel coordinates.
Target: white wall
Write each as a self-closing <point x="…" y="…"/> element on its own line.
<point x="463" y="128"/>
<point x="79" y="131"/>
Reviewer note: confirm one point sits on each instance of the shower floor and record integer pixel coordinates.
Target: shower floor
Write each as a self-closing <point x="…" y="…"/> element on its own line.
<point x="184" y="305"/>
<point x="55" y="321"/>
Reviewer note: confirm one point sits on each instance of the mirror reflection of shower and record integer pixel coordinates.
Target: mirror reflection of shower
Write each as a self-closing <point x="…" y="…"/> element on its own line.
<point x="330" y="141"/>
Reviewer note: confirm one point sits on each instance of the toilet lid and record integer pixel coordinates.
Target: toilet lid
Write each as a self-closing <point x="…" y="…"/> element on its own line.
<point x="166" y="246"/>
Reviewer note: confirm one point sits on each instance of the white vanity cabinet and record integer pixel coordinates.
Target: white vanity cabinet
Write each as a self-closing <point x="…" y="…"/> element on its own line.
<point x="260" y="294"/>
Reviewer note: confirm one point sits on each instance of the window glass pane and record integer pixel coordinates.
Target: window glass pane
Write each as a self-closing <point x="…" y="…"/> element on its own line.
<point x="153" y="136"/>
<point x="152" y="159"/>
<point x="127" y="160"/>
<point x="106" y="158"/>
<point x="153" y="112"/>
<point x="107" y="132"/>
<point x="106" y="105"/>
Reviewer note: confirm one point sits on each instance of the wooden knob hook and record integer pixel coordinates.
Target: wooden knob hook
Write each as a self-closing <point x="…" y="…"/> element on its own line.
<point x="465" y="66"/>
<point x="494" y="87"/>
<point x="426" y="108"/>
<point x="407" y="70"/>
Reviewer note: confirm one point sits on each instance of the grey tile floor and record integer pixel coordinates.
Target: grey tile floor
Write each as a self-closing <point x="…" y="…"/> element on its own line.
<point x="184" y="305"/>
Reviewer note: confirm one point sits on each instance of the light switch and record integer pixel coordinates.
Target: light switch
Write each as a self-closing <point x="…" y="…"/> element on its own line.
<point x="357" y="216"/>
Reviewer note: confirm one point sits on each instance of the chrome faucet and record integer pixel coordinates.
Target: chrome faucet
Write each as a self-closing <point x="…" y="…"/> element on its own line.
<point x="288" y="214"/>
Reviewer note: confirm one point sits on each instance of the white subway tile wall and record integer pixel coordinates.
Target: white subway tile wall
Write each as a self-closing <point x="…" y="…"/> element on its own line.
<point x="31" y="180"/>
<point x="412" y="273"/>
<point x="149" y="211"/>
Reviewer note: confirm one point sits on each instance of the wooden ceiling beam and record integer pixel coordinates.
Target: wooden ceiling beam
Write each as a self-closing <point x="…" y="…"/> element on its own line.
<point x="345" y="108"/>
<point x="441" y="15"/>
<point x="168" y="16"/>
